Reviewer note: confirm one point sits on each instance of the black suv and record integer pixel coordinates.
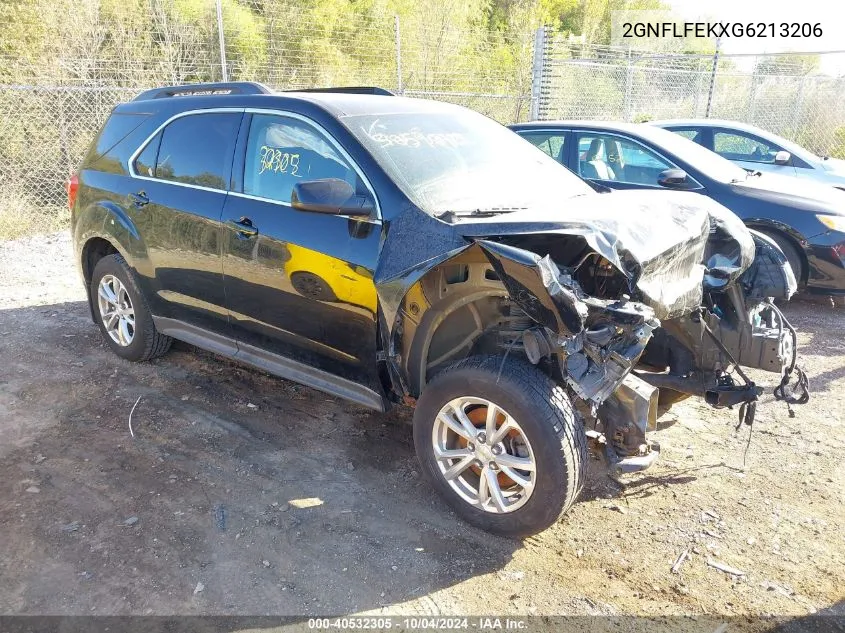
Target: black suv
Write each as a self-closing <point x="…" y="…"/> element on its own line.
<point x="391" y="250"/>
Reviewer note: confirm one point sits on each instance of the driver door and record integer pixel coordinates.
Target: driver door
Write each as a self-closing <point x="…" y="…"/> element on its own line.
<point x="299" y="285"/>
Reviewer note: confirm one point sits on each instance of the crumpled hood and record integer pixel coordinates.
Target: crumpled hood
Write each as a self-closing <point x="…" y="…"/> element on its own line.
<point x="659" y="240"/>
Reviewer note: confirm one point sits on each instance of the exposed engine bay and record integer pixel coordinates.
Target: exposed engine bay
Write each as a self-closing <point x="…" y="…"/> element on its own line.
<point x="629" y="317"/>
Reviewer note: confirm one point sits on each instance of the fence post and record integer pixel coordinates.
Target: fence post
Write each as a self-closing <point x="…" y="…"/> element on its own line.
<point x="629" y="80"/>
<point x="222" y="41"/>
<point x="752" y="96"/>
<point x="797" y="106"/>
<point x="697" y="97"/>
<point x="537" y="71"/>
<point x="713" y="78"/>
<point x="398" y="38"/>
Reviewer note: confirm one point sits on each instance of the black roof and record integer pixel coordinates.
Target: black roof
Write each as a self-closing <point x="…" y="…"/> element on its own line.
<point x="340" y="101"/>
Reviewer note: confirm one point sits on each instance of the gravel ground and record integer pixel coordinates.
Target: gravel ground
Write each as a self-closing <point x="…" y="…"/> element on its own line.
<point x="245" y="494"/>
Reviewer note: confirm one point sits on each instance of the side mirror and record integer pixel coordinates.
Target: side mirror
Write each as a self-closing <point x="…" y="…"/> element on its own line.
<point x="673" y="179"/>
<point x="329" y="195"/>
<point x="783" y="158"/>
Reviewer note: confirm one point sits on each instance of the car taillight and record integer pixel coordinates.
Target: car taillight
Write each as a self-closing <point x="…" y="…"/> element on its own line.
<point x="72" y="186"/>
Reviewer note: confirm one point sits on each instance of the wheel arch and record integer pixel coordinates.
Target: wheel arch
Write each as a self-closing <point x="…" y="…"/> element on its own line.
<point x="102" y="229"/>
<point x="795" y="239"/>
<point x="444" y="314"/>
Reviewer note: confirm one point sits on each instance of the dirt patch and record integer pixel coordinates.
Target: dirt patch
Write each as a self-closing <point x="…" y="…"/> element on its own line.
<point x="245" y="494"/>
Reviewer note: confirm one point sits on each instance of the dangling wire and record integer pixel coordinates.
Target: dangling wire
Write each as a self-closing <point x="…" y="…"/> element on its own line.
<point x="505" y="357"/>
<point x="747" y="413"/>
<point x="799" y="393"/>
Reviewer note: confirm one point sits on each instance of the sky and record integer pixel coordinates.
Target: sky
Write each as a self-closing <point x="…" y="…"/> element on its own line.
<point x="830" y="14"/>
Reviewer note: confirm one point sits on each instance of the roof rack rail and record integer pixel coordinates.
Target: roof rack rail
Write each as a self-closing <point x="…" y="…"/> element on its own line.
<point x="221" y="88"/>
<point x="353" y="90"/>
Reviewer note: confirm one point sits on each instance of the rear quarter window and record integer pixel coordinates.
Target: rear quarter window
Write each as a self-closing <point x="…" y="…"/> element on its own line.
<point x="102" y="154"/>
<point x="117" y="128"/>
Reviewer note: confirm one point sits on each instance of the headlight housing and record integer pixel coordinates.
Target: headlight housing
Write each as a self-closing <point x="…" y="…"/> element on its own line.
<point x="833" y="222"/>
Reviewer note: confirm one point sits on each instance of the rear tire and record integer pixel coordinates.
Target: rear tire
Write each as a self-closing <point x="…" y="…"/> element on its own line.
<point x="139" y="341"/>
<point x="552" y="435"/>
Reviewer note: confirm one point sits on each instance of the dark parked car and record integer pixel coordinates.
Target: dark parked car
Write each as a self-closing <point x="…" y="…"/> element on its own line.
<point x="390" y="250"/>
<point x="806" y="220"/>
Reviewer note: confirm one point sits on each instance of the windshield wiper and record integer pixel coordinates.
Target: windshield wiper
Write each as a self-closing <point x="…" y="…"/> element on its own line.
<point x="748" y="172"/>
<point x="448" y="216"/>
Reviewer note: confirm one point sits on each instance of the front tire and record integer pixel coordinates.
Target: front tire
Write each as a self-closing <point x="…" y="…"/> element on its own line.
<point x="791" y="253"/>
<point x="501" y="443"/>
<point x="122" y="312"/>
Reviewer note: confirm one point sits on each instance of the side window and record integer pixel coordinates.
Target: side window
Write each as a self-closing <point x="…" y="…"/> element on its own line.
<point x="145" y="164"/>
<point x="282" y="151"/>
<point x="689" y="133"/>
<point x="617" y="159"/>
<point x="550" y="142"/>
<point x="734" y="146"/>
<point x="197" y="149"/>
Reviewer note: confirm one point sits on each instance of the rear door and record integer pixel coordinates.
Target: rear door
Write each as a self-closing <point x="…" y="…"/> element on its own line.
<point x="299" y="285"/>
<point x="552" y="142"/>
<point x="182" y="176"/>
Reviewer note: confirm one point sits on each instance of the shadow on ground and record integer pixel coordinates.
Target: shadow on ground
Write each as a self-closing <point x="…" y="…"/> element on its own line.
<point x="239" y="493"/>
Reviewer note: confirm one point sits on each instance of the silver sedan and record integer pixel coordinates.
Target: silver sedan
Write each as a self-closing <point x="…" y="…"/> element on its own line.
<point x="756" y="149"/>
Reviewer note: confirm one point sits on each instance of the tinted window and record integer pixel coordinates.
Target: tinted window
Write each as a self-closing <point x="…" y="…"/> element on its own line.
<point x="696" y="156"/>
<point x="690" y="133"/>
<point x="282" y="151"/>
<point x="145" y="164"/>
<point x="197" y="149"/>
<point x="117" y="128"/>
<point x="549" y="142"/>
<point x="617" y="159"/>
<point x="735" y="146"/>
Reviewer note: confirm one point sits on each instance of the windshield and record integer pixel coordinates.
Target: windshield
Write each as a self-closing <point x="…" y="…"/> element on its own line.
<point x="707" y="162"/>
<point x="452" y="159"/>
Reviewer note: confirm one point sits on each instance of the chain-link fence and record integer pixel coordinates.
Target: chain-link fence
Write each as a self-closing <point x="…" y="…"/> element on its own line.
<point x="90" y="55"/>
<point x="64" y="66"/>
<point x="785" y="94"/>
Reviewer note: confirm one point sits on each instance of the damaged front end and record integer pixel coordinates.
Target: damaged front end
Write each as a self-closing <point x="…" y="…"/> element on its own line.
<point x="632" y="301"/>
<point x="666" y="324"/>
<point x="596" y="343"/>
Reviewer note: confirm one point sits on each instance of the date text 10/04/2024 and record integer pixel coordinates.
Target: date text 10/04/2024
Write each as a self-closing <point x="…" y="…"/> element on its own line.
<point x="483" y="623"/>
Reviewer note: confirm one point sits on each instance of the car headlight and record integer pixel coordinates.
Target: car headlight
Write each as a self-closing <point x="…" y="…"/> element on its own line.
<point x="834" y="222"/>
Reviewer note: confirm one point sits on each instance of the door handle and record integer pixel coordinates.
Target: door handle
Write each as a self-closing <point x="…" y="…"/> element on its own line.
<point x="139" y="199"/>
<point x="244" y="228"/>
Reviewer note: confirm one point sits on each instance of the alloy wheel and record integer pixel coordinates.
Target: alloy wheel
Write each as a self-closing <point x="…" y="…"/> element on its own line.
<point x="116" y="310"/>
<point x="484" y="455"/>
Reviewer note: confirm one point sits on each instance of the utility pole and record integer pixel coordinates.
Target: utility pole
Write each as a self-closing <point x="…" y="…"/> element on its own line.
<point x="713" y="78"/>
<point x="222" y="41"/>
<point x="537" y="73"/>
<point x="398" y="39"/>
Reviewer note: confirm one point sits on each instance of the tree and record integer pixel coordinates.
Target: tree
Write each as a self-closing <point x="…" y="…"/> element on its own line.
<point x="788" y="64"/>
